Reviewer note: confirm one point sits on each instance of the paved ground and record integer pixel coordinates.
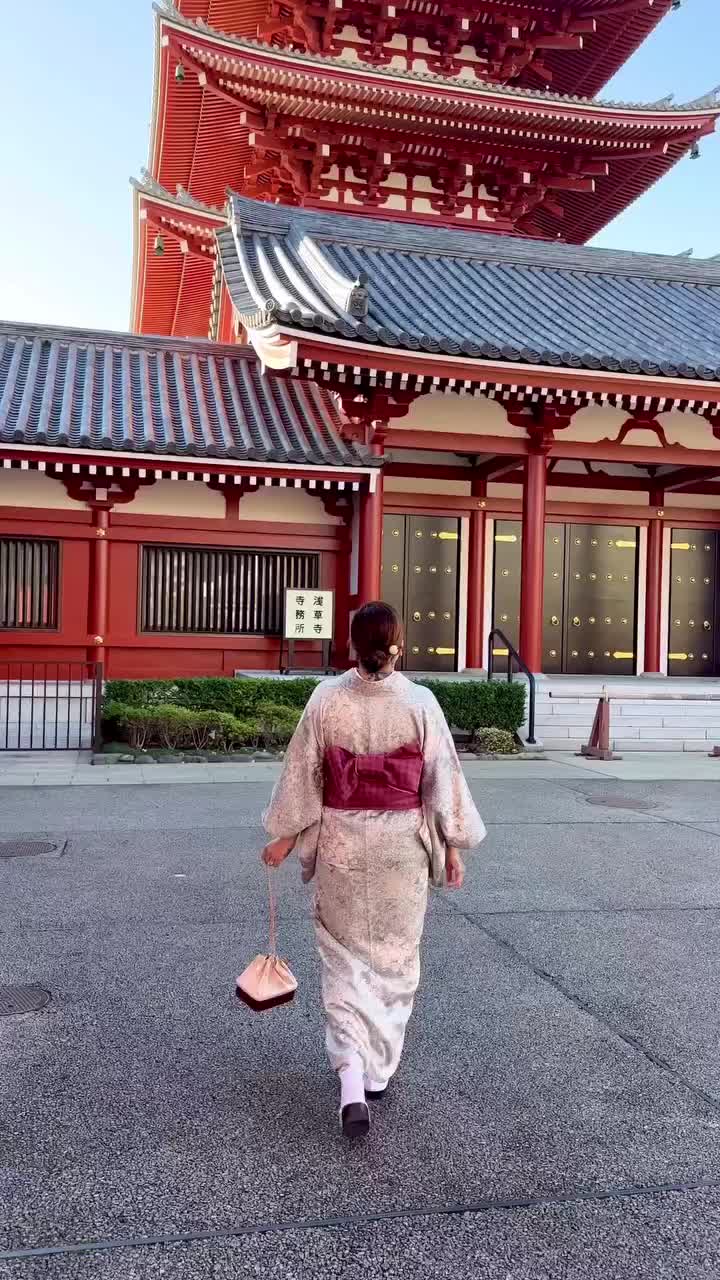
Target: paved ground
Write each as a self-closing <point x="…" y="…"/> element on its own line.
<point x="74" y="768"/>
<point x="557" y="1113"/>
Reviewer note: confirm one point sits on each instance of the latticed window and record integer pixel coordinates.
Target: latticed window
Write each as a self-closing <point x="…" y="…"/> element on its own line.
<point x="29" y="573"/>
<point x="208" y="590"/>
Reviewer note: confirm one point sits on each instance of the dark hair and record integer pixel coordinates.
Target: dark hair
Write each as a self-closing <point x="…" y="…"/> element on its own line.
<point x="374" y="629"/>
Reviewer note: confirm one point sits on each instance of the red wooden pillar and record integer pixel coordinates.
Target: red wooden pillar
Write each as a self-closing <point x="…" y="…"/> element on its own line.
<point x="474" y="655"/>
<point x="533" y="559"/>
<point x="98" y="597"/>
<point x="371" y="533"/>
<point x="653" y="586"/>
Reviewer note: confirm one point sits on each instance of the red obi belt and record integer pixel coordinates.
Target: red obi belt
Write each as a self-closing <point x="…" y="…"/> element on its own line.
<point x="390" y="780"/>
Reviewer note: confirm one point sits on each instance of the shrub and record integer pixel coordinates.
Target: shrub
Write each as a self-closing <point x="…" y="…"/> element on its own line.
<point x="478" y="704"/>
<point x="278" y="723"/>
<point x="179" y="728"/>
<point x="267" y="710"/>
<point x="496" y="741"/>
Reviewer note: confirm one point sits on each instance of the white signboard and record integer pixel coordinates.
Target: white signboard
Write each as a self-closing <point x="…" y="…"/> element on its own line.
<point x="308" y="615"/>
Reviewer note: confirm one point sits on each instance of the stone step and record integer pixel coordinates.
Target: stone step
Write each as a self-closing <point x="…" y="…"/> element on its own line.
<point x="624" y="746"/>
<point x="621" y="724"/>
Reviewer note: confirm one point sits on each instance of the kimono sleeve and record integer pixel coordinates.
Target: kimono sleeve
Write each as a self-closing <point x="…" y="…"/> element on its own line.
<point x="296" y="801"/>
<point x="449" y="808"/>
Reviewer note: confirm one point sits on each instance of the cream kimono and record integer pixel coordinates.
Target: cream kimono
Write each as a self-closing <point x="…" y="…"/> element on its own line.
<point x="371" y="867"/>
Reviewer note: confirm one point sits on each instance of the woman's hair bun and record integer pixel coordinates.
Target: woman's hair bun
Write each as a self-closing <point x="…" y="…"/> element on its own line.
<point x="377" y="635"/>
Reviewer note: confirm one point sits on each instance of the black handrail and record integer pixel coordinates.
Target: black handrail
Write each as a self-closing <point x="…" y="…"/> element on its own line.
<point x="514" y="656"/>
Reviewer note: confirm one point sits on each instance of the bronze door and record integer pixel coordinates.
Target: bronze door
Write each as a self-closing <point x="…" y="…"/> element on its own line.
<point x="589" y="605"/>
<point x="506" y="590"/>
<point x="601" y="601"/>
<point x="692" y="647"/>
<point x="393" y="562"/>
<point x="506" y="585"/>
<point x="420" y="579"/>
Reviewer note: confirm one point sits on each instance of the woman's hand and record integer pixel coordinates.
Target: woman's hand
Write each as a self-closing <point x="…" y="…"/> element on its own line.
<point x="454" y="868"/>
<point x="277" y="850"/>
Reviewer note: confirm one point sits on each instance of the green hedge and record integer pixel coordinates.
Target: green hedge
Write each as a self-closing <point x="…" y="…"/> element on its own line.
<point x="239" y="697"/>
<point x="469" y="705"/>
<point x="480" y="704"/>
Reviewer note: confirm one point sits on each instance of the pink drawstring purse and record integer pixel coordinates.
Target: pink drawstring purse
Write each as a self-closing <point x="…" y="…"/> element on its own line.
<point x="267" y="982"/>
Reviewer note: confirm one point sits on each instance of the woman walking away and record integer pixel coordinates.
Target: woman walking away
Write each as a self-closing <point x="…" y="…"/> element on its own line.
<point x="373" y="799"/>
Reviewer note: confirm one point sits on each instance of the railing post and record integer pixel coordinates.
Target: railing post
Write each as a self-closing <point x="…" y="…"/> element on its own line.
<point x="97" y="708"/>
<point x="512" y="653"/>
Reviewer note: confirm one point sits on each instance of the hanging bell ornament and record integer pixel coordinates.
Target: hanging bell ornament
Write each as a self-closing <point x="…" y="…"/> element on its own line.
<point x="180" y="73"/>
<point x="159" y="246"/>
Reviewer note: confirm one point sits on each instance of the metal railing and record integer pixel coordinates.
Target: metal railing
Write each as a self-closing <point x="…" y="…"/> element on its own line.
<point x="50" y="706"/>
<point x="513" y="656"/>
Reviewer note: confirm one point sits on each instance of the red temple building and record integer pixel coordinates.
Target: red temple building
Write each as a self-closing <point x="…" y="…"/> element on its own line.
<point x="373" y="352"/>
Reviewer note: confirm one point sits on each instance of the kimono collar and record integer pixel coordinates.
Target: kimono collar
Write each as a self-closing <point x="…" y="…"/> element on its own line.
<point x="388" y="683"/>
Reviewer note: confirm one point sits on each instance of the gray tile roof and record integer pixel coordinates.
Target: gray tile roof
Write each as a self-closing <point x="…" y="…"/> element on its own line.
<point x="74" y="389"/>
<point x="467" y="293"/>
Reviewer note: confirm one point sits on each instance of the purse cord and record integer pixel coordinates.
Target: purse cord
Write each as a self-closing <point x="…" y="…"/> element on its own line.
<point x="271" y="896"/>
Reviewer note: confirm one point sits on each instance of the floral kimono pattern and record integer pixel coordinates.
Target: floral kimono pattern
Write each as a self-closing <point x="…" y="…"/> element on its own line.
<point x="371" y="866"/>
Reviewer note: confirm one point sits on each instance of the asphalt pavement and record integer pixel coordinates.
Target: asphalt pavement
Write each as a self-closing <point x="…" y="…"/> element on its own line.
<point x="557" y="1111"/>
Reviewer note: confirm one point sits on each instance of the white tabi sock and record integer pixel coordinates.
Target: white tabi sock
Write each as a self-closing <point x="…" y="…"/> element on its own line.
<point x="375" y="1086"/>
<point x="352" y="1087"/>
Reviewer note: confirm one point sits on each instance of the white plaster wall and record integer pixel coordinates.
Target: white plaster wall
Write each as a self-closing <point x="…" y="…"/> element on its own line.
<point x="616" y="497"/>
<point x="698" y="501"/>
<point x="285" y="505"/>
<point x="194" y="499"/>
<point x="595" y="422"/>
<point x="688" y="429"/>
<point x="406" y="484"/>
<point x="602" y="422"/>
<point x="33" y="489"/>
<point x="558" y="493"/>
<point x="467" y="414"/>
<point x="178" y="498"/>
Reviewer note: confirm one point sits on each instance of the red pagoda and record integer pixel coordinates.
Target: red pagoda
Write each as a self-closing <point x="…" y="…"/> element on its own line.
<point x="386" y="356"/>
<point x="468" y="117"/>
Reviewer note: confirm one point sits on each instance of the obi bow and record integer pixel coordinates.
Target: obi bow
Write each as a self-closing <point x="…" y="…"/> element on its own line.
<point x="388" y="780"/>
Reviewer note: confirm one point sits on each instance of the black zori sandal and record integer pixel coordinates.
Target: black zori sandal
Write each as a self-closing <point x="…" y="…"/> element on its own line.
<point x="374" y="1095"/>
<point x="355" y="1119"/>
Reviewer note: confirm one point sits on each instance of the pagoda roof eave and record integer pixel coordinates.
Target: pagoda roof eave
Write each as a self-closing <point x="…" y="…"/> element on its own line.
<point x="586" y="71"/>
<point x="198" y="119"/>
<point x="296" y="277"/>
<point x="342" y="68"/>
<point x="181" y="219"/>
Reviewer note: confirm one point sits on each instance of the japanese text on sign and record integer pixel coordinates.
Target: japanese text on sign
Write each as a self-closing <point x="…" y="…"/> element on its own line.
<point x="308" y="615"/>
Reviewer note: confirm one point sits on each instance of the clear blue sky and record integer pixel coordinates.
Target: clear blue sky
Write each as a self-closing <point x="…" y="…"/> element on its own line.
<point x="75" y="102"/>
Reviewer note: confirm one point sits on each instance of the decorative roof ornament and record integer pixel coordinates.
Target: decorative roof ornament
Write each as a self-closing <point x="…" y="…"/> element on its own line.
<point x="149" y="186"/>
<point x="708" y="102"/>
